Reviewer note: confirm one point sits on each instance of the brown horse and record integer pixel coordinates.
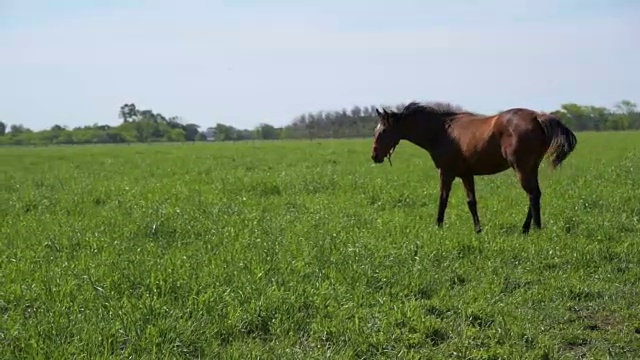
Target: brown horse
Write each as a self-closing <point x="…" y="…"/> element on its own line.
<point x="463" y="144"/>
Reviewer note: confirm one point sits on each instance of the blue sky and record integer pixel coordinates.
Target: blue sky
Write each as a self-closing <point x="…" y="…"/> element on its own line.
<point x="74" y="62"/>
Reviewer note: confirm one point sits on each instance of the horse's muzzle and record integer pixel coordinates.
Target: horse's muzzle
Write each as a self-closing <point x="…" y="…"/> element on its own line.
<point x="377" y="158"/>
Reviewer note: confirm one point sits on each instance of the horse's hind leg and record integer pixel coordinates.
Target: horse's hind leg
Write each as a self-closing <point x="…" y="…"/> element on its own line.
<point x="470" y="188"/>
<point x="529" y="182"/>
<point x="527" y="221"/>
<point x="535" y="201"/>
<point x="523" y="156"/>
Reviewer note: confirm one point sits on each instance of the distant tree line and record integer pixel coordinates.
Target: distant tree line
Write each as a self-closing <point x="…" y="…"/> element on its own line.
<point x="146" y="126"/>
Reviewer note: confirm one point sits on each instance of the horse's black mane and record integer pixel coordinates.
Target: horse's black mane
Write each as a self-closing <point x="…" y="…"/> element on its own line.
<point x="437" y="108"/>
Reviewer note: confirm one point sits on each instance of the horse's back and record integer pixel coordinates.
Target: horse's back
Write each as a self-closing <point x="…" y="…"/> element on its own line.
<point x="473" y="131"/>
<point x="518" y="117"/>
<point x="520" y="125"/>
<point x="484" y="145"/>
<point x="478" y="145"/>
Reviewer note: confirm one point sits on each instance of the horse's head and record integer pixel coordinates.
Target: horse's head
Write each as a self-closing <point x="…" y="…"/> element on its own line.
<point x="386" y="135"/>
<point x="417" y="123"/>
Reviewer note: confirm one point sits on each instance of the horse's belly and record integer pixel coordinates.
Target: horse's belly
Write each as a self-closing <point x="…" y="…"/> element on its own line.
<point x="488" y="162"/>
<point x="491" y="169"/>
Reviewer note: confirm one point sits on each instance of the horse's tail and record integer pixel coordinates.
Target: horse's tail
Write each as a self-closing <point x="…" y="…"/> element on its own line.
<point x="561" y="139"/>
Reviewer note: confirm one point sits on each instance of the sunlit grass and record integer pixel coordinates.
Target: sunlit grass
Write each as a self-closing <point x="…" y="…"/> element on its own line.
<point x="303" y="249"/>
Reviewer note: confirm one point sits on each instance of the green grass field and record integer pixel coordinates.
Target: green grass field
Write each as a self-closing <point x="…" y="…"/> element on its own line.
<point x="304" y="249"/>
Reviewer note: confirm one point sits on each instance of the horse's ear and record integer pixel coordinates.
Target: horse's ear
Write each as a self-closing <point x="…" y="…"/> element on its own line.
<point x="385" y="117"/>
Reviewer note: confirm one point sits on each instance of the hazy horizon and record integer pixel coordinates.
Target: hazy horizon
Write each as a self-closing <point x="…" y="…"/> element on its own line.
<point x="242" y="63"/>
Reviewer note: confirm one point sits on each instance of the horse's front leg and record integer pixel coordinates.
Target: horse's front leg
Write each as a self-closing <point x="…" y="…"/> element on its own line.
<point x="446" y="180"/>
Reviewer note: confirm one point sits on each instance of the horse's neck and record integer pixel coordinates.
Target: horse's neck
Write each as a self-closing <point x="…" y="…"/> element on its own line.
<point x="425" y="135"/>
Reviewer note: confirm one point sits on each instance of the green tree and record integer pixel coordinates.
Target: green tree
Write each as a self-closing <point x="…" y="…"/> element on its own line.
<point x="145" y="125"/>
<point x="626" y="115"/>
<point x="191" y="131"/>
<point x="267" y="132"/>
<point x="18" y="129"/>
<point x="128" y="112"/>
<point x="176" y="135"/>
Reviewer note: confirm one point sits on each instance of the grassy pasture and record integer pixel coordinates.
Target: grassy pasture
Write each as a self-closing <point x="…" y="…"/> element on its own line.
<point x="303" y="249"/>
